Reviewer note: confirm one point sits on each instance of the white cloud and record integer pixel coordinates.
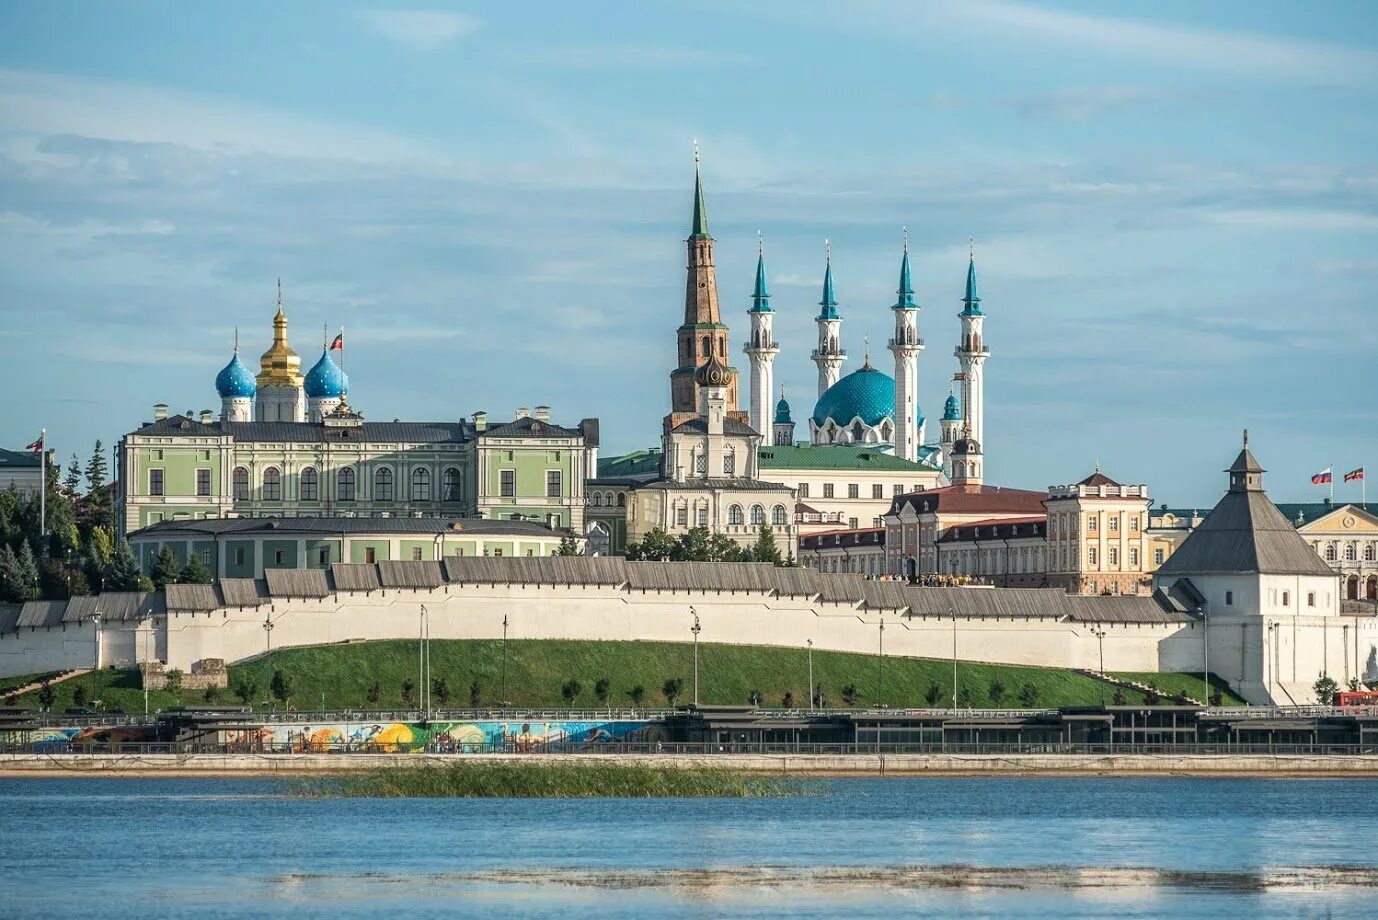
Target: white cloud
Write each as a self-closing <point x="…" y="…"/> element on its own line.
<point x="628" y="56"/>
<point x="1292" y="219"/>
<point x="423" y="30"/>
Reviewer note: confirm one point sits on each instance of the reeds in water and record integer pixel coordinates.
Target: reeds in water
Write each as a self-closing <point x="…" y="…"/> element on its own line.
<point x="548" y="781"/>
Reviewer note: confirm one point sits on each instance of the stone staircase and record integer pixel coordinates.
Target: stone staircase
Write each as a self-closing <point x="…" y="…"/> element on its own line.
<point x="55" y="679"/>
<point x="1135" y="685"/>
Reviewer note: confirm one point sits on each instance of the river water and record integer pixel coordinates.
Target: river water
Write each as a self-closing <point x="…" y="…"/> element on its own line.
<point x="972" y="847"/>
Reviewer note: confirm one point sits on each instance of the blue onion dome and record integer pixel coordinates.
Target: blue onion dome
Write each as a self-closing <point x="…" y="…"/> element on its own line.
<point x="235" y="381"/>
<point x="326" y="380"/>
<point x="782" y="416"/>
<point x="865" y="393"/>
<point x="951" y="411"/>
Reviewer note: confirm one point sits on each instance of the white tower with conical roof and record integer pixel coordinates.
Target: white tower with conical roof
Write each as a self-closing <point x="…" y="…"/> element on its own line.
<point x="762" y="348"/>
<point x="971" y="355"/>
<point x="829" y="354"/>
<point x="905" y="346"/>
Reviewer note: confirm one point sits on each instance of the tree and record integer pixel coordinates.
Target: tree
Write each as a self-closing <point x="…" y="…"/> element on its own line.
<point x="79" y="695"/>
<point x="787" y="700"/>
<point x="571" y="690"/>
<point x="408" y="691"/>
<point x="174" y="681"/>
<point x="195" y="572"/>
<point x="819" y="699"/>
<point x="996" y="691"/>
<point x="440" y="689"/>
<point x="568" y="546"/>
<point x="765" y="549"/>
<point x="95" y="484"/>
<point x="56" y="580"/>
<point x="125" y="573"/>
<point x="636" y="694"/>
<point x="1354" y="683"/>
<point x="1118" y="699"/>
<point x="1028" y="695"/>
<point x="212" y="694"/>
<point x="1151" y="697"/>
<point x="166" y="568"/>
<point x="247" y="690"/>
<point x="28" y="571"/>
<point x="46" y="695"/>
<point x="281" y="686"/>
<point x="602" y="689"/>
<point x="72" y="481"/>
<point x="656" y="545"/>
<point x="933" y="693"/>
<point x="672" y="688"/>
<point x="755" y="698"/>
<point x="1325" y="688"/>
<point x="12" y="587"/>
<point x="850" y="694"/>
<point x="475" y="694"/>
<point x="722" y="548"/>
<point x="374" y="693"/>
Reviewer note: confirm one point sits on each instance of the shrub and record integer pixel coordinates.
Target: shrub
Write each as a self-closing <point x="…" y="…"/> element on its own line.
<point x="850" y="694"/>
<point x="281" y="686"/>
<point x="1325" y="689"/>
<point x="788" y="699"/>
<point x="475" y="694"/>
<point x="211" y="694"/>
<point x="1151" y="696"/>
<point x="636" y="694"/>
<point x="79" y="695"/>
<point x="1118" y="699"/>
<point x="174" y="680"/>
<point x="408" y="691"/>
<point x="996" y="691"/>
<point x="755" y="698"/>
<point x="375" y="693"/>
<point x="933" y="693"/>
<point x="571" y="689"/>
<point x="440" y="689"/>
<point x="819" y="700"/>
<point x="672" y="688"/>
<point x="1028" y="695"/>
<point x="46" y="695"/>
<point x="247" y="690"/>
<point x="602" y="689"/>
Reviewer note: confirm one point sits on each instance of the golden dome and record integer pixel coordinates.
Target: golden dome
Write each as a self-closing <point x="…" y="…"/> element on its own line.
<point x="280" y="366"/>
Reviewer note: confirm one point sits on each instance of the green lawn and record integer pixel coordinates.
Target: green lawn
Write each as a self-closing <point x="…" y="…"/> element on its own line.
<point x="537" y="669"/>
<point x="1190" y="684"/>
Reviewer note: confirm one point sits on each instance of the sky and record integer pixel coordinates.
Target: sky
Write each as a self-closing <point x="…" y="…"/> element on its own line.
<point x="1174" y="207"/>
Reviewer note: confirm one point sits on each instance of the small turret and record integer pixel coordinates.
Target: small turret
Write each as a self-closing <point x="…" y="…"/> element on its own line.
<point x="829" y="354"/>
<point x="761" y="348"/>
<point x="782" y="429"/>
<point x="905" y="345"/>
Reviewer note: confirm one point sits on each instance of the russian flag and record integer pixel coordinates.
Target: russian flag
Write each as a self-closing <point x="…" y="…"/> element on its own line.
<point x="1322" y="477"/>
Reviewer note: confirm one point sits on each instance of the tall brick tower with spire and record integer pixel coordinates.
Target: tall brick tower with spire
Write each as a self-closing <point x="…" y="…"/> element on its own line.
<point x="703" y="334"/>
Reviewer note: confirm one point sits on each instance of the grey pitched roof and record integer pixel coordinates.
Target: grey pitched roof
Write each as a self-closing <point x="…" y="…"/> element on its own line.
<point x="528" y="427"/>
<point x="1051" y="603"/>
<point x="14" y="459"/>
<point x="333" y="526"/>
<point x="718" y="482"/>
<point x="1244" y="534"/>
<point x="699" y="425"/>
<point x="314" y="432"/>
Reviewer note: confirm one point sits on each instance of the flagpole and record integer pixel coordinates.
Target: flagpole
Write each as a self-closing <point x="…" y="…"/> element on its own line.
<point x="1332" y="484"/>
<point x="42" y="483"/>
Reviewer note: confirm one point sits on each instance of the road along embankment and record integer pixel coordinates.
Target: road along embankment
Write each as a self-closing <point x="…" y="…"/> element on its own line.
<point x="801" y="764"/>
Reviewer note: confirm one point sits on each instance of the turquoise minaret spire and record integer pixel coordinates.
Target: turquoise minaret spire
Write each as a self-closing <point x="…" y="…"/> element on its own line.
<point x="905" y="299"/>
<point x="829" y="301"/>
<point x="972" y="299"/>
<point x="700" y="228"/>
<point x="760" y="297"/>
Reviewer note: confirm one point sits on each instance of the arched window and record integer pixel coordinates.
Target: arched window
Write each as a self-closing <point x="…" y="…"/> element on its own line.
<point x="778" y="516"/>
<point x="1330" y="552"/>
<point x="310" y="485"/>
<point x="598" y="499"/>
<point x="621" y="499"/>
<point x="344" y="485"/>
<point x="1350" y="553"/>
<point x="1368" y="553"/>
<point x="272" y="485"/>
<point x="421" y="485"/>
<point x="729" y="462"/>
<point x="241" y="484"/>
<point x="452" y="485"/>
<point x="758" y="515"/>
<point x="707" y="346"/>
<point x="382" y="484"/>
<point x="734" y="514"/>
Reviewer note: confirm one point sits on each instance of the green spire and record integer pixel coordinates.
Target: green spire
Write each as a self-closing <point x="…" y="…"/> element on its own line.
<point x="905" y="300"/>
<point x="700" y="231"/>
<point x="760" y="298"/>
<point x="829" y="301"/>
<point x="972" y="299"/>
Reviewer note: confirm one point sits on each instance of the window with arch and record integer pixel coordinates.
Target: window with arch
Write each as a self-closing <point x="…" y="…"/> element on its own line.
<point x="344" y="484"/>
<point x="758" y="515"/>
<point x="707" y="347"/>
<point x="734" y="514"/>
<point x="310" y="485"/>
<point x="1350" y="554"/>
<point x="451" y="485"/>
<point x="421" y="485"/>
<point x="621" y="499"/>
<point x="382" y="484"/>
<point x="1368" y="553"/>
<point x="241" y="484"/>
<point x="778" y="516"/>
<point x="598" y="499"/>
<point x="1330" y="552"/>
<point x="272" y="485"/>
<point x="729" y="463"/>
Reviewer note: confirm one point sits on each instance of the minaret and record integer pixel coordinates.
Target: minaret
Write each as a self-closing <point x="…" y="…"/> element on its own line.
<point x="236" y="387"/>
<point x="280" y="394"/>
<point x="829" y="354"/>
<point x="905" y="346"/>
<point x="703" y="335"/>
<point x="761" y="349"/>
<point x="783" y="427"/>
<point x="952" y="430"/>
<point x="971" y="355"/>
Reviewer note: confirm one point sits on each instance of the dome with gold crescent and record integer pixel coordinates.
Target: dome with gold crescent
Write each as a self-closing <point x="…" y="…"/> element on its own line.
<point x="280" y="366"/>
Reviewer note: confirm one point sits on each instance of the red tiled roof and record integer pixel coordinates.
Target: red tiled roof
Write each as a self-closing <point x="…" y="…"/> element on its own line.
<point x="1098" y="479"/>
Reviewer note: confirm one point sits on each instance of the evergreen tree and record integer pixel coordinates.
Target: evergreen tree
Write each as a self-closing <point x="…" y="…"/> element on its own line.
<point x="72" y="482"/>
<point x="765" y="549"/>
<point x="722" y="548"/>
<point x="656" y="545"/>
<point x="568" y="546"/>
<point x="195" y="572"/>
<point x="695" y="546"/>
<point x="11" y="579"/>
<point x="96" y="503"/>
<point x="281" y="686"/>
<point x="125" y="574"/>
<point x="27" y="572"/>
<point x="166" y="568"/>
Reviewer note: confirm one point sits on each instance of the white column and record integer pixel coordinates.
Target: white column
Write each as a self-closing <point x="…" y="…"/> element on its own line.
<point x="905" y="346"/>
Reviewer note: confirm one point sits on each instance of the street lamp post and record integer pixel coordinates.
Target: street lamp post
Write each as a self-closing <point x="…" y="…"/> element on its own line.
<point x="695" y="629"/>
<point x="812" y="701"/>
<point x="503" y="701"/>
<point x="146" y="618"/>
<point x="954" y="656"/>
<point x="95" y="620"/>
<point x="1099" y="633"/>
<point x="880" y="666"/>
<point x="1205" y="654"/>
<point x="268" y="632"/>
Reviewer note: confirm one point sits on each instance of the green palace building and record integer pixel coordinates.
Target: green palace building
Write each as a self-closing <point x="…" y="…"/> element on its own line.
<point x="291" y="445"/>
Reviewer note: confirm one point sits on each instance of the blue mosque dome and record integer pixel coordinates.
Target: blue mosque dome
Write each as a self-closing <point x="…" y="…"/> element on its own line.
<point x="326" y="380"/>
<point x="951" y="411"/>
<point x="234" y="380"/>
<point x="866" y="393"/>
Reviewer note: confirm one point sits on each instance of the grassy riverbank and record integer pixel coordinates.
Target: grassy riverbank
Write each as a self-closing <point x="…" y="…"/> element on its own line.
<point x="538" y="670"/>
<point x="548" y="781"/>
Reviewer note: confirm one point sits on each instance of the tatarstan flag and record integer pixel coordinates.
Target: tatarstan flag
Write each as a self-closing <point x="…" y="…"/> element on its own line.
<point x="1354" y="475"/>
<point x="36" y="446"/>
<point x="338" y="344"/>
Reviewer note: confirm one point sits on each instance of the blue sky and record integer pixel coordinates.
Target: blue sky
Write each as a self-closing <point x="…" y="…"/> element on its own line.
<point x="1175" y="208"/>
